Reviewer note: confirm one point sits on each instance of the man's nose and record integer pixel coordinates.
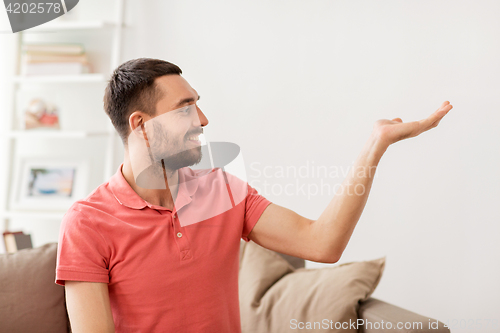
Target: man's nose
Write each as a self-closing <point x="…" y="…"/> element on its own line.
<point x="201" y="119"/>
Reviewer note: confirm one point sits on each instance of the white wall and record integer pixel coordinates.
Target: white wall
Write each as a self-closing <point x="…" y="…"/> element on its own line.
<point x="297" y="82"/>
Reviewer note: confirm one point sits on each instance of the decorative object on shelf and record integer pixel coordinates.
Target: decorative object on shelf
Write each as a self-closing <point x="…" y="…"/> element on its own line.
<point x="44" y="184"/>
<point x="54" y="59"/>
<point x="15" y="241"/>
<point x="41" y="114"/>
<point x="38" y="109"/>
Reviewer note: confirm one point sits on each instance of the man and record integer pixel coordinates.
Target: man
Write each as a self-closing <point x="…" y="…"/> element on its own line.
<point x="156" y="248"/>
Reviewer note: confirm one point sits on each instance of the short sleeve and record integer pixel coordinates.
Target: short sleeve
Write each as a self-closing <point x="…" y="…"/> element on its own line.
<point x="255" y="204"/>
<point x="82" y="253"/>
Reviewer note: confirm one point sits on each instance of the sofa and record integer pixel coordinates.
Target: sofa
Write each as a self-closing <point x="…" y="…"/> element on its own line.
<point x="30" y="301"/>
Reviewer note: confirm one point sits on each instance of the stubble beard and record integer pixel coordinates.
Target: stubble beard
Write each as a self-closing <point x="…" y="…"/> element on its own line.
<point x="161" y="151"/>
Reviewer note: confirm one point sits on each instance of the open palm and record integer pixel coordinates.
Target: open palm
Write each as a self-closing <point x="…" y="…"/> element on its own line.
<point x="391" y="131"/>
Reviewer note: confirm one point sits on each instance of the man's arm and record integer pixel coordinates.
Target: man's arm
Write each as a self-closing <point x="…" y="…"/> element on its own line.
<point x="325" y="239"/>
<point x="88" y="307"/>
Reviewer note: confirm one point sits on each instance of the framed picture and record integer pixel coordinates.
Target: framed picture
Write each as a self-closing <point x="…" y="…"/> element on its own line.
<point x="48" y="184"/>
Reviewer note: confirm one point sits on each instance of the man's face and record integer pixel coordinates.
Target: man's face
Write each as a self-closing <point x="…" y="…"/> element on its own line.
<point x="173" y="133"/>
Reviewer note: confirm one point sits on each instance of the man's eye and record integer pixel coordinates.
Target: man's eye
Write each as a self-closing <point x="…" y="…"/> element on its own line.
<point x="185" y="110"/>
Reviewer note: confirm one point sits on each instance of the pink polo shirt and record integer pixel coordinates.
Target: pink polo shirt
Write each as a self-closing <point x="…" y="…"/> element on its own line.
<point x="162" y="275"/>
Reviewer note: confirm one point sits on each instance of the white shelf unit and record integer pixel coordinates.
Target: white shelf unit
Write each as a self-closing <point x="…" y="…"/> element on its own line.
<point x="82" y="78"/>
<point x="55" y="134"/>
<point x="49" y="215"/>
<point x="71" y="25"/>
<point x="14" y="134"/>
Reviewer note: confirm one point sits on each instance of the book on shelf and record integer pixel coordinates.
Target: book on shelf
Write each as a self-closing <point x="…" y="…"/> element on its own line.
<point x="55" y="68"/>
<point x="58" y="49"/>
<point x="15" y="241"/>
<point x="54" y="59"/>
<point x="33" y="58"/>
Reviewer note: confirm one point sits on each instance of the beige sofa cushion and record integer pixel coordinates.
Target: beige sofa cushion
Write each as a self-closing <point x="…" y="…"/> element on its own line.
<point x="30" y="301"/>
<point x="275" y="297"/>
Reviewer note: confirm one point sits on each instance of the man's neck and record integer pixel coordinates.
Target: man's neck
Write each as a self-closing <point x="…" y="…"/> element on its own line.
<point x="160" y="197"/>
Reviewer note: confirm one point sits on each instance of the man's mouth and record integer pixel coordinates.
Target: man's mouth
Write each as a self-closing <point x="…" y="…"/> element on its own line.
<point x="195" y="139"/>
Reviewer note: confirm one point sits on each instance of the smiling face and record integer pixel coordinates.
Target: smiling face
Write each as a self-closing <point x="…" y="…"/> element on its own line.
<point x="173" y="133"/>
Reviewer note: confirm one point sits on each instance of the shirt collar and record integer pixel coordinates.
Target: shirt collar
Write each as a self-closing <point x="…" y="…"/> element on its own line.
<point x="188" y="184"/>
<point x="126" y="196"/>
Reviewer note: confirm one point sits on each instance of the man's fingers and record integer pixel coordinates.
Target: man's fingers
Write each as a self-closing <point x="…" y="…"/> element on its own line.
<point x="399" y="120"/>
<point x="445" y="108"/>
<point x="444" y="105"/>
<point x="434" y="119"/>
<point x="436" y="123"/>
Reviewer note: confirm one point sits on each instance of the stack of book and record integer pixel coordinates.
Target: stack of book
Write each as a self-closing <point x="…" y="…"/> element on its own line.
<point x="15" y="241"/>
<point x="54" y="59"/>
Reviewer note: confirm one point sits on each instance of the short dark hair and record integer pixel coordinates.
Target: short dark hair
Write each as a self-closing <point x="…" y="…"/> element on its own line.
<point x="132" y="87"/>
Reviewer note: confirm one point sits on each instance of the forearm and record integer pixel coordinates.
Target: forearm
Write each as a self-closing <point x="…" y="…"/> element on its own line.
<point x="334" y="227"/>
<point x="89" y="308"/>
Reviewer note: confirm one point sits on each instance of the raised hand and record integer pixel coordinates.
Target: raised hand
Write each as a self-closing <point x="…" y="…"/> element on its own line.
<point x="391" y="131"/>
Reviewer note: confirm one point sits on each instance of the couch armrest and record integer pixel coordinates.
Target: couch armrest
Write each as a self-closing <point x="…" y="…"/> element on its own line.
<point x="375" y="311"/>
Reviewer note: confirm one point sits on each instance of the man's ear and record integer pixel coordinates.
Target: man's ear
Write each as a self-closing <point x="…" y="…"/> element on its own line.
<point x="136" y="120"/>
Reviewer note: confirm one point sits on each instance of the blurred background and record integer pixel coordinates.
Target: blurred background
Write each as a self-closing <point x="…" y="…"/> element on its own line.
<point x="298" y="85"/>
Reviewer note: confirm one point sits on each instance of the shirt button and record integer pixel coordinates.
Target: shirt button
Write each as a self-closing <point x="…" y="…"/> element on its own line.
<point x="175" y="215"/>
<point x="179" y="234"/>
